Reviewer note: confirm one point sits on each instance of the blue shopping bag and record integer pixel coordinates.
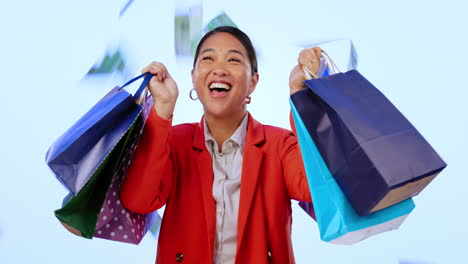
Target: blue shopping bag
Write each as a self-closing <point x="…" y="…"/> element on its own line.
<point x="76" y="155"/>
<point x="376" y="155"/>
<point x="96" y="210"/>
<point x="337" y="220"/>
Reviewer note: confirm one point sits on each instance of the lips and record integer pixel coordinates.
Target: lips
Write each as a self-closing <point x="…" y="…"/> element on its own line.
<point x="219" y="89"/>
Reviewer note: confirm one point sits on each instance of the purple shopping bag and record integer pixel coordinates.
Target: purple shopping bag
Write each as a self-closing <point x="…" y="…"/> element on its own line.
<point x="119" y="224"/>
<point x="114" y="221"/>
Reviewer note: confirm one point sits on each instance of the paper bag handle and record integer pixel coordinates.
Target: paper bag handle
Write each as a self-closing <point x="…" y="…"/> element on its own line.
<point x="309" y="74"/>
<point x="143" y="85"/>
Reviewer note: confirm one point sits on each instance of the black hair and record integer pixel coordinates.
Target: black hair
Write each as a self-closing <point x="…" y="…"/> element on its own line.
<point x="238" y="34"/>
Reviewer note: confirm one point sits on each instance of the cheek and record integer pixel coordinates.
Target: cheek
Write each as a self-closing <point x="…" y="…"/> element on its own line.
<point x="199" y="74"/>
<point x="248" y="83"/>
<point x="197" y="80"/>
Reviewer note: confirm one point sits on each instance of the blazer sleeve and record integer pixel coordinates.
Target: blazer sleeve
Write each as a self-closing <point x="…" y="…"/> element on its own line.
<point x="149" y="179"/>
<point x="293" y="168"/>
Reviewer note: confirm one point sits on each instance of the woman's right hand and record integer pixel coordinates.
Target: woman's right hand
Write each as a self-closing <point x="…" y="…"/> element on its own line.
<point x="163" y="89"/>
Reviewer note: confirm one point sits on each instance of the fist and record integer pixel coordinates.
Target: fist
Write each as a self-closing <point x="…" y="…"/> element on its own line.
<point x="163" y="89"/>
<point x="308" y="59"/>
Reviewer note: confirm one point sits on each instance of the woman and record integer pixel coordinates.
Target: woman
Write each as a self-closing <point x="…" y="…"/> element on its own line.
<point x="227" y="182"/>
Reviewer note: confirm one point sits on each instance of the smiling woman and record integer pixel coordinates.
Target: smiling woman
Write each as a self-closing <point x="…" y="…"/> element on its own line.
<point x="223" y="79"/>
<point x="227" y="182"/>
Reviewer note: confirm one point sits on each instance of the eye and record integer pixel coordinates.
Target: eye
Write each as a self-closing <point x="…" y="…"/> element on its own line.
<point x="207" y="58"/>
<point x="234" y="60"/>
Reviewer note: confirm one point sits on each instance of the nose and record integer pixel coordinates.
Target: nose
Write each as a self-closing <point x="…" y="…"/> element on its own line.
<point x="220" y="69"/>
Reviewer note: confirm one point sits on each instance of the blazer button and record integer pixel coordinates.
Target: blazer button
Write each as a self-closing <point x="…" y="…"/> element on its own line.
<point x="179" y="257"/>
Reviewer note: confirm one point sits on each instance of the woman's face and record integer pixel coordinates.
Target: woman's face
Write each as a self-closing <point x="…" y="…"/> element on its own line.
<point x="222" y="76"/>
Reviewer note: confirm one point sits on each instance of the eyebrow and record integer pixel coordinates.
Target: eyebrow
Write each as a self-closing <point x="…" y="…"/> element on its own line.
<point x="230" y="51"/>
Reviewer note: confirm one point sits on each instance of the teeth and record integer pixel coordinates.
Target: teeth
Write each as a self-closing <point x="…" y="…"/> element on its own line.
<point x="219" y="85"/>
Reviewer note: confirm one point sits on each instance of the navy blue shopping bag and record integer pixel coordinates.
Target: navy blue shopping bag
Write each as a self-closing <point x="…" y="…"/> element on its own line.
<point x="76" y="155"/>
<point x="338" y="222"/>
<point x="374" y="153"/>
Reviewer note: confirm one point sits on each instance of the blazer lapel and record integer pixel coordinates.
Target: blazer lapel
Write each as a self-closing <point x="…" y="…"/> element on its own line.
<point x="251" y="166"/>
<point x="204" y="166"/>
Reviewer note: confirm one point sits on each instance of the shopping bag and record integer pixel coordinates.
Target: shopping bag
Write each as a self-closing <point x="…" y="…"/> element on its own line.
<point x="375" y="154"/>
<point x="338" y="222"/>
<point x="96" y="210"/>
<point x="76" y="155"/>
<point x="114" y="221"/>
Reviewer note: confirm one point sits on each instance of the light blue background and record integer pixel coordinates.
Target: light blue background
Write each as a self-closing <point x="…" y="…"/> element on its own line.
<point x="413" y="51"/>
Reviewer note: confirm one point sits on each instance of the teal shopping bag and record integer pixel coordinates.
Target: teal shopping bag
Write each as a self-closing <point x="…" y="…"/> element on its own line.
<point x="337" y="220"/>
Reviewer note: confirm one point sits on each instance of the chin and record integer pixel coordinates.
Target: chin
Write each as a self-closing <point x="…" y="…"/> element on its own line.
<point x="224" y="112"/>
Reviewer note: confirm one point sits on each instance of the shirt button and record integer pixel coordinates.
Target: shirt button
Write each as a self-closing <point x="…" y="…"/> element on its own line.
<point x="179" y="257"/>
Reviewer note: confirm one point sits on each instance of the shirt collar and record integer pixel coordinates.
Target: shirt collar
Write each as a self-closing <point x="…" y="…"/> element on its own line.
<point x="238" y="136"/>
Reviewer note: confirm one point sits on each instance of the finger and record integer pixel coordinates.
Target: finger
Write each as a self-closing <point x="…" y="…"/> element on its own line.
<point x="154" y="81"/>
<point x="167" y="76"/>
<point x="302" y="57"/>
<point x="160" y="70"/>
<point x="163" y="74"/>
<point x="318" y="52"/>
<point x="163" y="71"/>
<point x="308" y="56"/>
<point x="153" y="70"/>
<point x="309" y="60"/>
<point x="158" y="75"/>
<point x="157" y="70"/>
<point x="151" y="67"/>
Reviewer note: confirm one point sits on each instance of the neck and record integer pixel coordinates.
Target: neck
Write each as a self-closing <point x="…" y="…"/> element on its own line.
<point x="222" y="128"/>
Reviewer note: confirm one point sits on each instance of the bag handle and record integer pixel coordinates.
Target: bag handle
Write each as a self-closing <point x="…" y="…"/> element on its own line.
<point x="309" y="74"/>
<point x="143" y="85"/>
<point x="144" y="95"/>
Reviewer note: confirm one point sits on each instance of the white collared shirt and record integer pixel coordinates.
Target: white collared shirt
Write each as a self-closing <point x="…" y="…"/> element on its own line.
<point x="227" y="169"/>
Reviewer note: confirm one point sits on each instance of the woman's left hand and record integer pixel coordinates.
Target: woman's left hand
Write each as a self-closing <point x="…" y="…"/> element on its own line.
<point x="309" y="58"/>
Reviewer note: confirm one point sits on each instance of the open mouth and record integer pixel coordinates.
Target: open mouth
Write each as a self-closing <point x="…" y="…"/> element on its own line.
<point x="219" y="89"/>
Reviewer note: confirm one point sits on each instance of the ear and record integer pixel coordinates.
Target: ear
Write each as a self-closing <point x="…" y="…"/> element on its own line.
<point x="253" y="82"/>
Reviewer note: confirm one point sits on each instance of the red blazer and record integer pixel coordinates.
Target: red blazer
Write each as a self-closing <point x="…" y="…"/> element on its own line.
<point x="172" y="167"/>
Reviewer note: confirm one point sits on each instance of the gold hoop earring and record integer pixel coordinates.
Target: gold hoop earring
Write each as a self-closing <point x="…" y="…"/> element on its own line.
<point x="248" y="99"/>
<point x="191" y="96"/>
